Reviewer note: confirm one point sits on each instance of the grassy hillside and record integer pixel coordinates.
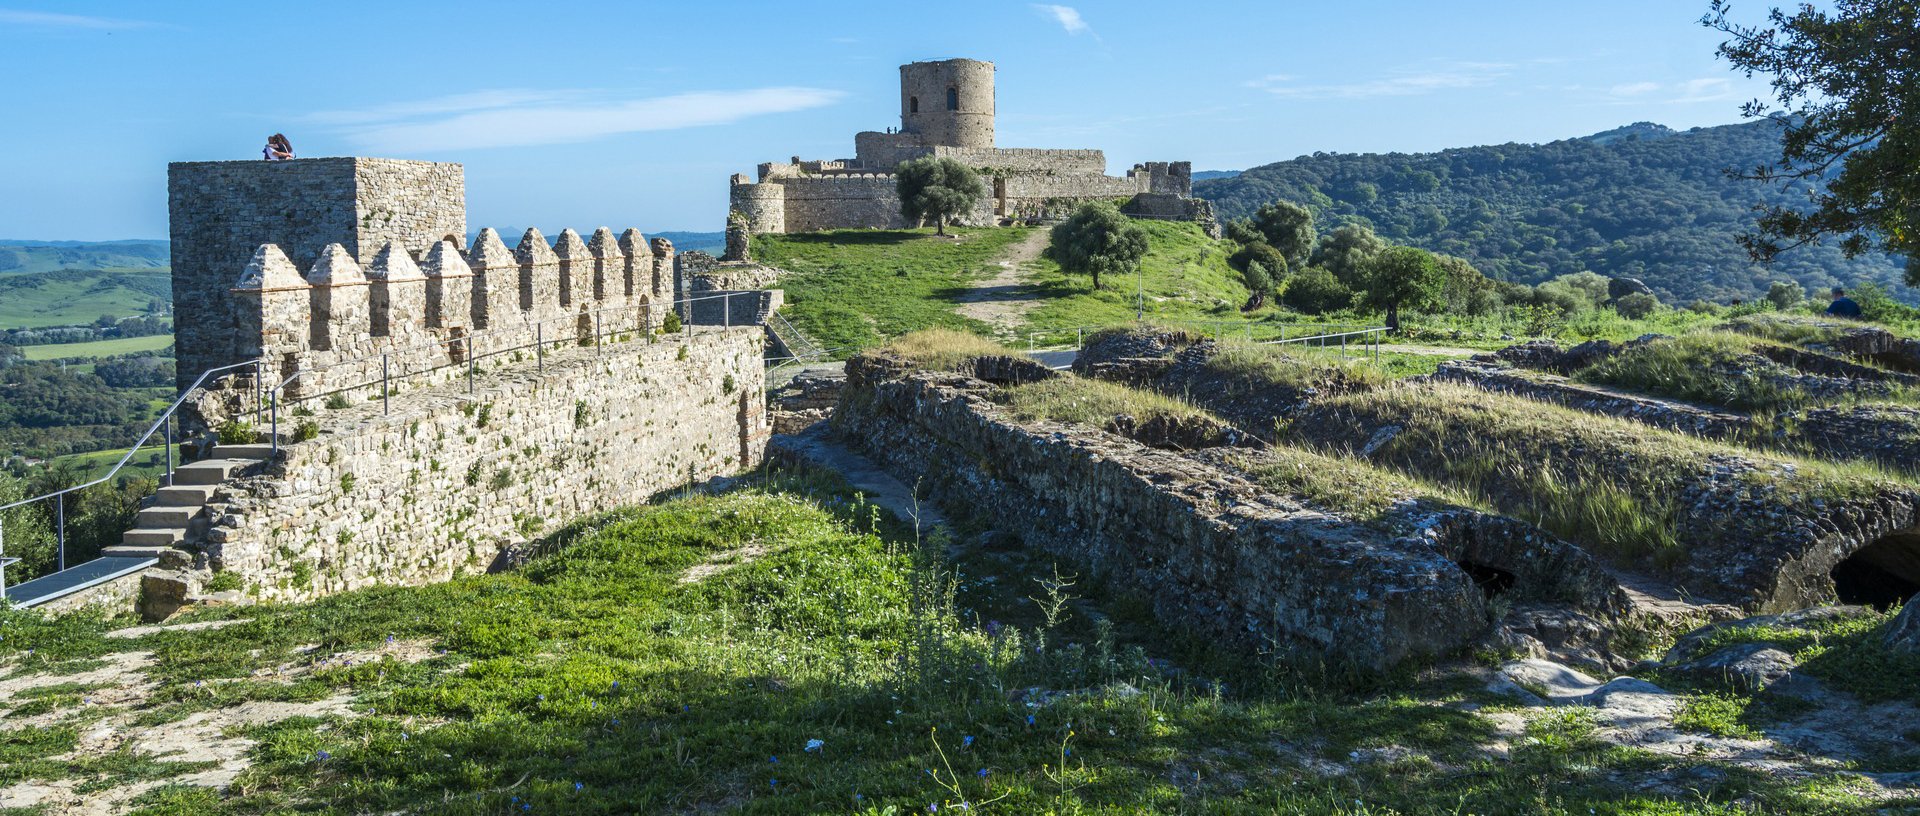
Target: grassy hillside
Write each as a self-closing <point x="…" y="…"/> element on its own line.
<point x="1184" y="277"/>
<point x="851" y="289"/>
<point x="74" y="296"/>
<point x="98" y="348"/>
<point x="825" y="664"/>
<point x="1641" y="201"/>
<point x="19" y="257"/>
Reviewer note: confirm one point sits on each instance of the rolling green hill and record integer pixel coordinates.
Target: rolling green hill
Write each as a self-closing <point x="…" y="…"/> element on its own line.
<point x="71" y="296"/>
<point x="1639" y="201"/>
<point x="18" y="257"/>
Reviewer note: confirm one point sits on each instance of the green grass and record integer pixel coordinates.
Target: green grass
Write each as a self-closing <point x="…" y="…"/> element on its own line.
<point x="943" y="349"/>
<point x="1608" y="483"/>
<point x="1092" y="402"/>
<point x="1340" y="484"/>
<point x="149" y="463"/>
<point x="1184" y="277"/>
<point x="98" y="348"/>
<point x="1289" y="366"/>
<point x="63" y="298"/>
<point x="595" y="681"/>
<point x="1709" y="367"/>
<point x="851" y="289"/>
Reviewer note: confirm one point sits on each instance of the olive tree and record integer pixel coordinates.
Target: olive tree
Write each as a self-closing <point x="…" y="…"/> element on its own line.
<point x="936" y="189"/>
<point x="1098" y="240"/>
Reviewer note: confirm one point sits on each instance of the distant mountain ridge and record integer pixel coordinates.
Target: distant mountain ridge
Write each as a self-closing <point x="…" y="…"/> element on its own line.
<point x="1642" y="201"/>
<point x="28" y="256"/>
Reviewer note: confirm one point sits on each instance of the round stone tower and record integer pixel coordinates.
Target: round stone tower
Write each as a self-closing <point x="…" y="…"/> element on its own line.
<point x="948" y="103"/>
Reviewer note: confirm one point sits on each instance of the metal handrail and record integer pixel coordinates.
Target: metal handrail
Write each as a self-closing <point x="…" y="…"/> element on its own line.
<point x="164" y="420"/>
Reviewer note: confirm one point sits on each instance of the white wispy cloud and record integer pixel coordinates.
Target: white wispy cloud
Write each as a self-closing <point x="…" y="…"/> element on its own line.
<point x="522" y="117"/>
<point x="45" y="19"/>
<point x="1403" y="82"/>
<point x="1706" y="89"/>
<point x="1067" y="16"/>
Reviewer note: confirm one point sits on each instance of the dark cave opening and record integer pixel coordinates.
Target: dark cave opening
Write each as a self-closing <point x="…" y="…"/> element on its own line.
<point x="1492" y="581"/>
<point x="1881" y="574"/>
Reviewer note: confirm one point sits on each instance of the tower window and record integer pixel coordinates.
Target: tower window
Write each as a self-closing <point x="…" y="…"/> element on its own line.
<point x="953" y="99"/>
<point x="913" y="104"/>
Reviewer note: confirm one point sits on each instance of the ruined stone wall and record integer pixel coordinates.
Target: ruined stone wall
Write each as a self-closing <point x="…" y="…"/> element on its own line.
<point x="219" y="213"/>
<point x="450" y="480"/>
<point x="841" y="202"/>
<point x="1211" y="551"/>
<point x="1029" y="160"/>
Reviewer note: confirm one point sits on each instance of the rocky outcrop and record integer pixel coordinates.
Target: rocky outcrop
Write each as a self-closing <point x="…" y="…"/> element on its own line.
<point x="1180" y="364"/>
<point x="1903" y="634"/>
<point x="1210" y="548"/>
<point x="1880" y="346"/>
<point x="1618" y="288"/>
<point x="1887" y="434"/>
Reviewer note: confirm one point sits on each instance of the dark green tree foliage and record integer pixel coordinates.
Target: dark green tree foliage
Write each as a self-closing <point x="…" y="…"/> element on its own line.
<point x="1316" y="291"/>
<point x="1636" y="305"/>
<point x="1259" y="251"/>
<point x="1260" y="282"/>
<point x="1289" y="228"/>
<point x="936" y="189"/>
<point x="1346" y="253"/>
<point x="1098" y="240"/>
<point x="1785" y="294"/>
<point x="1466" y="291"/>
<point x="1402" y="276"/>
<point x="1642" y="201"/>
<point x="1242" y="231"/>
<point x="1851" y="119"/>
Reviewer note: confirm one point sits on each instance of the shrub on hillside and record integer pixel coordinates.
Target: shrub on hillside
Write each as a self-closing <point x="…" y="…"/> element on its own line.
<point x="1316" y="291"/>
<point x="1636" y="306"/>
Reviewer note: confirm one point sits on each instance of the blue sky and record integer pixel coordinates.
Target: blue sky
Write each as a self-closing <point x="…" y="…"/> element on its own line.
<point x="634" y="114"/>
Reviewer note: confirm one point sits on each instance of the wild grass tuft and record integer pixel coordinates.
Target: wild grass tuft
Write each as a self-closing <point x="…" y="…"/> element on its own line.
<point x="943" y="349"/>
<point x="1291" y="368"/>
<point x="1710" y="367"/>
<point x="1092" y="402"/>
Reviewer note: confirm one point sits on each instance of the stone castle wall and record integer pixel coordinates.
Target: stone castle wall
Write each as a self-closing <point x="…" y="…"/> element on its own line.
<point x="840" y="202"/>
<point x="339" y="326"/>
<point x="450" y="480"/>
<point x="221" y="212"/>
<point x="925" y="88"/>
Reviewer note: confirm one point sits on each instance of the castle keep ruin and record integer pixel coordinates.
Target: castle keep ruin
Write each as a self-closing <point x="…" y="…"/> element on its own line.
<point x="947" y="110"/>
<point x="424" y="406"/>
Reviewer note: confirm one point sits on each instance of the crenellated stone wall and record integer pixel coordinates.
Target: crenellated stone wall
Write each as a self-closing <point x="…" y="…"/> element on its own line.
<point x="449" y="481"/>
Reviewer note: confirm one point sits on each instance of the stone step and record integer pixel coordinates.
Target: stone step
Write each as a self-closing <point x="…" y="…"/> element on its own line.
<point x="183" y="495"/>
<point x="162" y="537"/>
<point x="164" y="516"/>
<point x="257" y="453"/>
<point x="207" y="471"/>
<point x="136" y="551"/>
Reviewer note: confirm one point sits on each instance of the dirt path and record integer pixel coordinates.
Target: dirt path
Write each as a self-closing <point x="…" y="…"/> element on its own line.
<point x="1003" y="300"/>
<point x="1432" y="351"/>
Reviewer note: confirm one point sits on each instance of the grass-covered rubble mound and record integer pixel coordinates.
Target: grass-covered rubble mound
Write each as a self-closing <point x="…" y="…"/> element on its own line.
<point x="1267" y="549"/>
<point x="1727" y="524"/>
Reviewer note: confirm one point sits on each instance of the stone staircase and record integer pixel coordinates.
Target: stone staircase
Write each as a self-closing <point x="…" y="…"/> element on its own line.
<point x="177" y="513"/>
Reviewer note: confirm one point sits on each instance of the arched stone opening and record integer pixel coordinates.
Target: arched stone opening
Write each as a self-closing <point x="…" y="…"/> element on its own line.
<point x="1492" y="581"/>
<point x="1880" y="574"/>
<point x="953" y="99"/>
<point x="913" y="104"/>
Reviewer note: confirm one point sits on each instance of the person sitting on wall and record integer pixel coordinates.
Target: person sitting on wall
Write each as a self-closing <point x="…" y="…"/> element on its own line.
<point x="277" y="149"/>
<point x="1843" y="306"/>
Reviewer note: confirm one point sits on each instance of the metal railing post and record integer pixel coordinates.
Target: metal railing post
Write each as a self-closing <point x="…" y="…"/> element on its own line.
<point x="275" y="438"/>
<point x="471" y="363"/>
<point x="386" y="383"/>
<point x="169" y="479"/>
<point x="726" y="311"/>
<point x="60" y="525"/>
<point x="259" y="402"/>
